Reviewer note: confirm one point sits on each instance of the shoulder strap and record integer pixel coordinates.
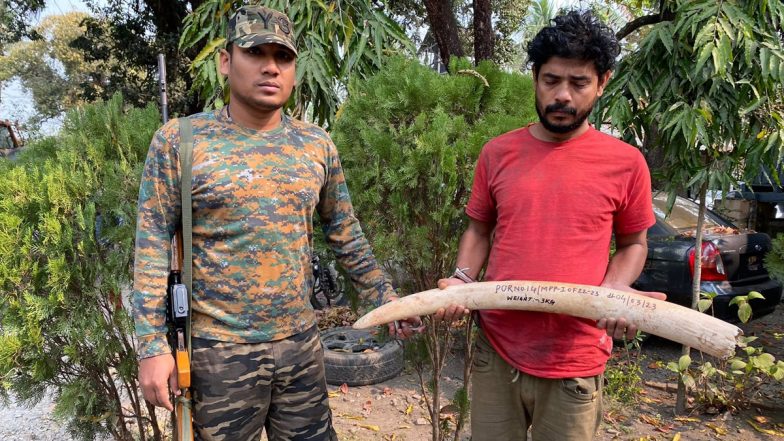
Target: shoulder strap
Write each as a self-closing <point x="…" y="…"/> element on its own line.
<point x="186" y="167"/>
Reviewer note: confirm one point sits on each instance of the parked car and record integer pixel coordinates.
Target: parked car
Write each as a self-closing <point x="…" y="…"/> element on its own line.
<point x="732" y="260"/>
<point x="9" y="138"/>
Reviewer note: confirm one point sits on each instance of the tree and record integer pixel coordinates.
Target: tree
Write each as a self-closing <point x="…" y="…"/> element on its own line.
<point x="67" y="225"/>
<point x="457" y="26"/>
<point x="703" y="91"/>
<point x="124" y="38"/>
<point x="116" y="49"/>
<point x="57" y="75"/>
<point x="15" y="19"/>
<point x="337" y="41"/>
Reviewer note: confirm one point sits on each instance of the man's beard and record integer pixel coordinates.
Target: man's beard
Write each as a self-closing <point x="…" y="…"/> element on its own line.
<point x="562" y="128"/>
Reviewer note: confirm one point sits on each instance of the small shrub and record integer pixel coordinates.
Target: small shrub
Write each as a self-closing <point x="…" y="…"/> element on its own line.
<point x="409" y="139"/>
<point x="67" y="225"/>
<point x="623" y="375"/>
<point x="774" y="260"/>
<point x="730" y="384"/>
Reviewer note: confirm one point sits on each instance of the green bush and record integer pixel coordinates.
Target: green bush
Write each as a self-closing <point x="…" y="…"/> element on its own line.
<point x="774" y="260"/>
<point x="67" y="224"/>
<point x="409" y="139"/>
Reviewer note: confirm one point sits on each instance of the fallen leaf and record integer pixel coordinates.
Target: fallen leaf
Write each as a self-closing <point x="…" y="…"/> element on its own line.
<point x="687" y="419"/>
<point x="718" y="429"/>
<point x="653" y="421"/>
<point x="372" y="427"/>
<point x="387" y="391"/>
<point x="677" y="437"/>
<point x="333" y="394"/>
<point x="664" y="429"/>
<point x="409" y="409"/>
<point x="761" y="419"/>
<point x="344" y="388"/>
<point x="402" y="427"/>
<point x="351" y="417"/>
<point x="764" y="430"/>
<point x="610" y="417"/>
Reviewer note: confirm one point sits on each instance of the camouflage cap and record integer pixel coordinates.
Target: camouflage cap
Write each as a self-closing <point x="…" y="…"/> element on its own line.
<point x="254" y="25"/>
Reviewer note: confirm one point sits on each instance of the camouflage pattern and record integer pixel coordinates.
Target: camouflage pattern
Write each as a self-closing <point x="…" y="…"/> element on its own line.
<point x="241" y="388"/>
<point x="254" y="25"/>
<point x="254" y="195"/>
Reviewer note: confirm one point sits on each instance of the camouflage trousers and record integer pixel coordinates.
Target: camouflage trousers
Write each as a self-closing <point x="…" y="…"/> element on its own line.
<point x="240" y="389"/>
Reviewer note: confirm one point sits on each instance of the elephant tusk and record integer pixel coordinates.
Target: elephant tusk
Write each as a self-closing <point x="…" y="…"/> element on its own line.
<point x="668" y="320"/>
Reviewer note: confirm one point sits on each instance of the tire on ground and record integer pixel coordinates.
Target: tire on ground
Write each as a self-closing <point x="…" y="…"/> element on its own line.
<point x="345" y="359"/>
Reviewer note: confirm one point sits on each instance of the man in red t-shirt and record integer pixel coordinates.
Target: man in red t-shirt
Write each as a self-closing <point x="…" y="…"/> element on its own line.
<point x="545" y="203"/>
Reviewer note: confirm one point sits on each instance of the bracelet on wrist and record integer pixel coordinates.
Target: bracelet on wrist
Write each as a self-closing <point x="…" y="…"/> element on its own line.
<point x="460" y="273"/>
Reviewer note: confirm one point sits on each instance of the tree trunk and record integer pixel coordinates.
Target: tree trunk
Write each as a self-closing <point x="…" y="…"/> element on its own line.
<point x="484" y="39"/>
<point x="680" y="399"/>
<point x="443" y="23"/>
<point x="653" y="153"/>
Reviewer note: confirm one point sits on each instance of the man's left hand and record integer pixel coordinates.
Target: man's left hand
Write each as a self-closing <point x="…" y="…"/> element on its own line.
<point x="405" y="328"/>
<point x="618" y="327"/>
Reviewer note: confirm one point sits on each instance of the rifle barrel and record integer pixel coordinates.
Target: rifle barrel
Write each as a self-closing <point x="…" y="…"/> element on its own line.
<point x="162" y="87"/>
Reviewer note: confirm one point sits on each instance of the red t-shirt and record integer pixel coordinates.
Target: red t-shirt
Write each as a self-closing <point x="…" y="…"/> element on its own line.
<point x="555" y="206"/>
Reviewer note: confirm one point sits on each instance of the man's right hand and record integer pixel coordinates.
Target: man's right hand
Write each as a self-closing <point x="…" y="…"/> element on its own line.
<point x="452" y="313"/>
<point x="158" y="375"/>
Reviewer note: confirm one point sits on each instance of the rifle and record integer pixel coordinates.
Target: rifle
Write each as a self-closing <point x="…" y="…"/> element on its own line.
<point x="177" y="295"/>
<point x="178" y="310"/>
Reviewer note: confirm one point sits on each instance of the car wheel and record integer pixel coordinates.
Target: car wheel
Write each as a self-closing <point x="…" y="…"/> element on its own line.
<point x="357" y="357"/>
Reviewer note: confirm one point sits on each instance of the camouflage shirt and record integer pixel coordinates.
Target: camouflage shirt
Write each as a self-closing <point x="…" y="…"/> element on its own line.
<point x="254" y="195"/>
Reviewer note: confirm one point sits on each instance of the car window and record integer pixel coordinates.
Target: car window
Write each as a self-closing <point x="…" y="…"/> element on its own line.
<point x="684" y="214"/>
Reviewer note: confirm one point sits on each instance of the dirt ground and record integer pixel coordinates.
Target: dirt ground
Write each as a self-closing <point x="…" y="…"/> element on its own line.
<point x="395" y="410"/>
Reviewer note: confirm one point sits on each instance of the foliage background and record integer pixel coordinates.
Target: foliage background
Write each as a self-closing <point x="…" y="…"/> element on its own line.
<point x="409" y="139"/>
<point x="336" y="42"/>
<point x="702" y="94"/>
<point x="67" y="225"/>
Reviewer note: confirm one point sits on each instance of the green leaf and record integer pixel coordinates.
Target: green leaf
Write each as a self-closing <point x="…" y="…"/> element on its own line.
<point x="688" y="381"/>
<point x="726" y="49"/>
<point x="208" y="50"/>
<point x="702" y="58"/>
<point x="763" y="361"/>
<point x="775" y="68"/>
<point x="737" y="364"/>
<point x="666" y="38"/>
<point x="726" y="28"/>
<point x="683" y="363"/>
<point x="744" y="312"/>
<point x="754" y="106"/>
<point x="749" y="48"/>
<point x="704" y="304"/>
<point x="764" y="55"/>
<point x="705" y="35"/>
<point x="755" y="295"/>
<point x="719" y="61"/>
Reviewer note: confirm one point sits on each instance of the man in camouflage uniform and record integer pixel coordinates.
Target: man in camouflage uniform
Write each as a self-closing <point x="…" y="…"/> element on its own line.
<point x="258" y="176"/>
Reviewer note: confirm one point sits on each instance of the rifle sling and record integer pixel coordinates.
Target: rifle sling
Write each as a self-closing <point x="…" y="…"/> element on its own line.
<point x="186" y="167"/>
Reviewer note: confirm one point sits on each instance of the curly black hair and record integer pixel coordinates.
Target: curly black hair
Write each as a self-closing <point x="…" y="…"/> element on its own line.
<point x="575" y="35"/>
